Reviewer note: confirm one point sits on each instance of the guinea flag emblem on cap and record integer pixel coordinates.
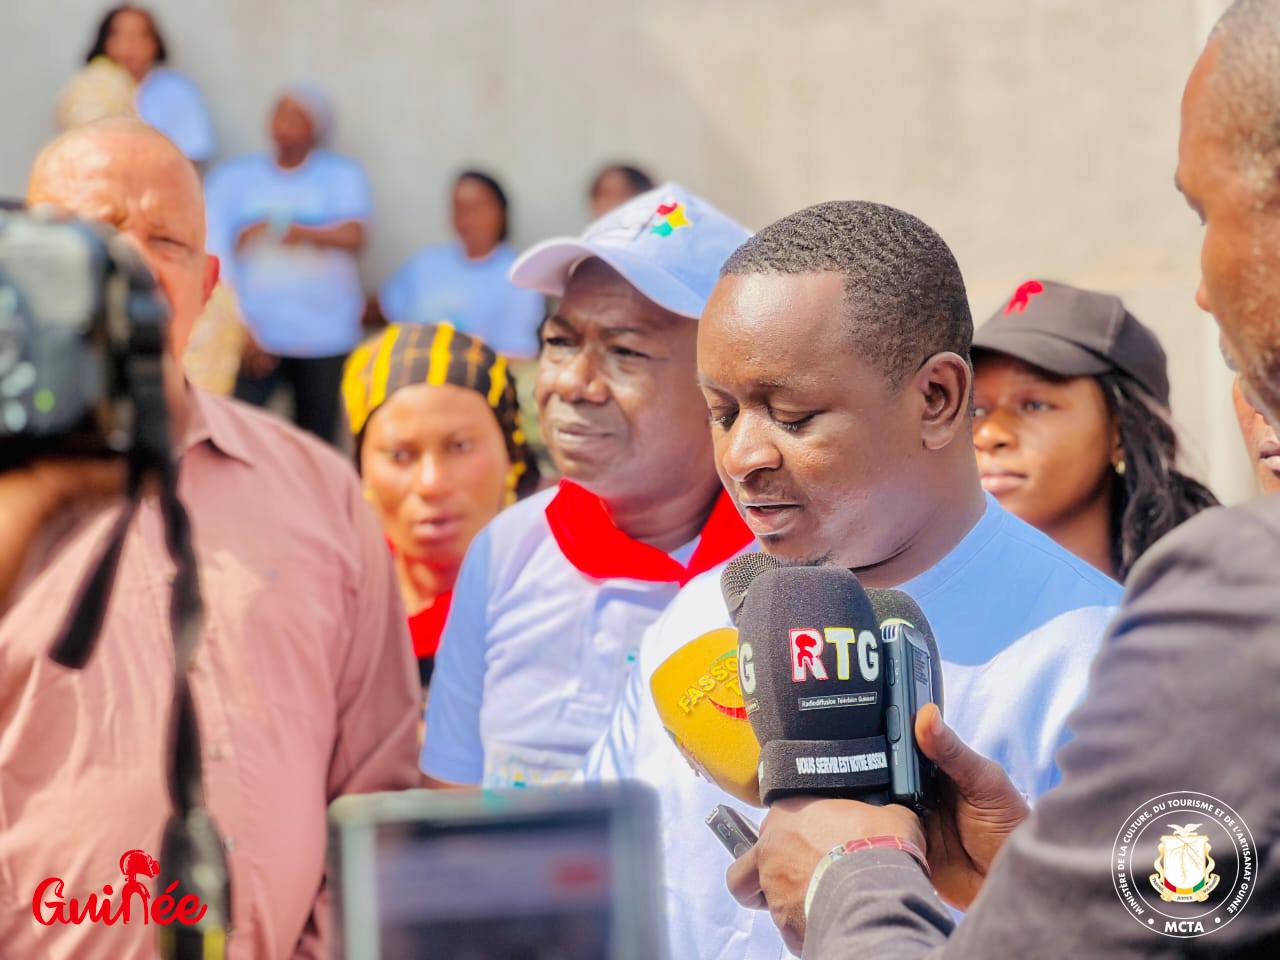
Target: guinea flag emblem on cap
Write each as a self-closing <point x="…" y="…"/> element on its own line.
<point x="672" y="217"/>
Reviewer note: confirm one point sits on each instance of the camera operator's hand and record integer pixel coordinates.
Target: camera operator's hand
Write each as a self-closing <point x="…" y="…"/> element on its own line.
<point x="797" y="833"/>
<point x="978" y="808"/>
<point x="31" y="496"/>
<point x="255" y="361"/>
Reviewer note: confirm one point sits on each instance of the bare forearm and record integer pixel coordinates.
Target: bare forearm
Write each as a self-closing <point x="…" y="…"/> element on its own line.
<point x="342" y="236"/>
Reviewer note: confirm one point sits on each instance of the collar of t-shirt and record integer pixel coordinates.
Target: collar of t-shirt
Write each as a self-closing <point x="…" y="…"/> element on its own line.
<point x="589" y="539"/>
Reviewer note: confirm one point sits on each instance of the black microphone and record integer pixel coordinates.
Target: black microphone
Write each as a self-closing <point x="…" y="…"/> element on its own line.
<point x="832" y="678"/>
<point x="809" y="658"/>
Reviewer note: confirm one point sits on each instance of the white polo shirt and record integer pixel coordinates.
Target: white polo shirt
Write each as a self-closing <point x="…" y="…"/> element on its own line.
<point x="534" y="655"/>
<point x="1017" y="619"/>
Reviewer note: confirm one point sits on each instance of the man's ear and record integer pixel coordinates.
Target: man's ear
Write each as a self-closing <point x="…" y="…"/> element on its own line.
<point x="945" y="384"/>
<point x="212" y="268"/>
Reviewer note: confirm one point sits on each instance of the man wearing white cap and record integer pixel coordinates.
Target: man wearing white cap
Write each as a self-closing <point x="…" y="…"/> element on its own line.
<point x="554" y="594"/>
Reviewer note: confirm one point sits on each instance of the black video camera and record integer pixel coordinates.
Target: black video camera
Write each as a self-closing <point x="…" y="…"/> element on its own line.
<point x="82" y="343"/>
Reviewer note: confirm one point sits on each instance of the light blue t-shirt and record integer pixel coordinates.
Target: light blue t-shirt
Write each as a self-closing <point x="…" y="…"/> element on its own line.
<point x="1017" y="619"/>
<point x="171" y="102"/>
<point x="299" y="300"/>
<point x="534" y="655"/>
<point x="439" y="282"/>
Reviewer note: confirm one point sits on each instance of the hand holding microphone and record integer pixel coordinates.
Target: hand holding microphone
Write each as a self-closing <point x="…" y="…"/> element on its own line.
<point x="978" y="808"/>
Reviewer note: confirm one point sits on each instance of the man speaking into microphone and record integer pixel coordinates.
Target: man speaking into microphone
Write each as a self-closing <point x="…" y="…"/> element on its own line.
<point x="1161" y="838"/>
<point x="833" y="357"/>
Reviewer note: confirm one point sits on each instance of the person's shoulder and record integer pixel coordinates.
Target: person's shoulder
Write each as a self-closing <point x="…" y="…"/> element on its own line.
<point x="171" y="80"/>
<point x="237" y="169"/>
<point x="1042" y="554"/>
<point x="431" y="254"/>
<point x="268" y="443"/>
<point x="504" y="256"/>
<point x="338" y="164"/>
<point x="523" y="521"/>
<point x="697" y="608"/>
<point x="1240" y="543"/>
<point x="701" y="599"/>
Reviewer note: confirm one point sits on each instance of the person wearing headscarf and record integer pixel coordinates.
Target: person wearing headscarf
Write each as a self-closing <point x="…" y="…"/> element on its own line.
<point x="440" y="451"/>
<point x="126" y="74"/>
<point x="288" y="226"/>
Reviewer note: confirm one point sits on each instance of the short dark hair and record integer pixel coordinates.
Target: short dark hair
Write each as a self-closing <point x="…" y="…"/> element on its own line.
<point x="479" y="176"/>
<point x="1247" y="77"/>
<point x="902" y="285"/>
<point x="99" y="47"/>
<point x="639" y="181"/>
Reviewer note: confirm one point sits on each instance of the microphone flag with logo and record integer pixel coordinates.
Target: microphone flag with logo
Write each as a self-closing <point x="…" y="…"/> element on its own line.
<point x="810" y="660"/>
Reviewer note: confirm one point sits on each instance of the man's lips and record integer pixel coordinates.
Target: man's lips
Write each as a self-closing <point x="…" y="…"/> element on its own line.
<point x="766" y="517"/>
<point x="1269" y="454"/>
<point x="997" y="482"/>
<point x="577" y="433"/>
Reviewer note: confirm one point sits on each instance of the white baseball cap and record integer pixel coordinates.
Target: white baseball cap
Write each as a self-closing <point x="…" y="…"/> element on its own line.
<point x="668" y="243"/>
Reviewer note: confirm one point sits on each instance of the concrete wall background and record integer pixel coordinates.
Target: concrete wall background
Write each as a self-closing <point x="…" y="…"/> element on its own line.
<point x="1038" y="136"/>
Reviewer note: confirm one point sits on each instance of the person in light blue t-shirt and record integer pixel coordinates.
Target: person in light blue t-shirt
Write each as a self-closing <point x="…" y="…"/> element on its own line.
<point x="288" y="227"/>
<point x="465" y="282"/>
<point x="833" y="358"/>
<point x="166" y="99"/>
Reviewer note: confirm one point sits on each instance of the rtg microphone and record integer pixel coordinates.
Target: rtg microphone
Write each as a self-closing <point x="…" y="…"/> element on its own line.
<point x="698" y="697"/>
<point x="874" y="652"/>
<point x="809" y="654"/>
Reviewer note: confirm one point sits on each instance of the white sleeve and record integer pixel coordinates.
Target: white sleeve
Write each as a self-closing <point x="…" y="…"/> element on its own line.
<point x="453" y="750"/>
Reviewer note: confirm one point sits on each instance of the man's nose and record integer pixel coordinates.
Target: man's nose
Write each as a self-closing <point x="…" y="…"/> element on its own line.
<point x="581" y="379"/>
<point x="746" y="448"/>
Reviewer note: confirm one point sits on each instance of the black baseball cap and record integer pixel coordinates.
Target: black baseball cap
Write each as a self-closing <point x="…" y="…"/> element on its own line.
<point x="1075" y="333"/>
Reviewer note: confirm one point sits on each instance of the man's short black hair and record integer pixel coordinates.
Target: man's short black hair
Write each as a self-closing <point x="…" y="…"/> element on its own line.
<point x="902" y="284"/>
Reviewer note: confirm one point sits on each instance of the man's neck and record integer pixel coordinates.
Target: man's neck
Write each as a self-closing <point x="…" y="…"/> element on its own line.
<point x="667" y="522"/>
<point x="290" y="159"/>
<point x="948" y="520"/>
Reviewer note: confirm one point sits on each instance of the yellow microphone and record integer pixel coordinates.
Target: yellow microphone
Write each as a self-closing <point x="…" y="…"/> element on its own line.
<point x="699" y="700"/>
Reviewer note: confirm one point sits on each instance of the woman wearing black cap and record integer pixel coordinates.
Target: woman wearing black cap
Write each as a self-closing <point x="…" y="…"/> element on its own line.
<point x="1071" y="395"/>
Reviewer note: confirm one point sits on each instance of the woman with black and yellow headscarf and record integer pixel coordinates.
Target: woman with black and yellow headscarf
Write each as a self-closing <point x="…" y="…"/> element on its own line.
<point x="440" y="451"/>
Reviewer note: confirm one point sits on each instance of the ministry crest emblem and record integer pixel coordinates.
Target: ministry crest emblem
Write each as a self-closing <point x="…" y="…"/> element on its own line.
<point x="1184" y="869"/>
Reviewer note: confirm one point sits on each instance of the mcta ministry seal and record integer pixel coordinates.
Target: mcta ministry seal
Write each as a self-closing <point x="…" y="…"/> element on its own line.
<point x="1183" y="864"/>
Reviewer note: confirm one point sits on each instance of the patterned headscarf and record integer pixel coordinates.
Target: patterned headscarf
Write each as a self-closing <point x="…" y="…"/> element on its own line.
<point x="407" y="354"/>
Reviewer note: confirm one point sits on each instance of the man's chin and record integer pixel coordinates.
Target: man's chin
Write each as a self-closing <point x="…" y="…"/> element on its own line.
<point x="791" y="554"/>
